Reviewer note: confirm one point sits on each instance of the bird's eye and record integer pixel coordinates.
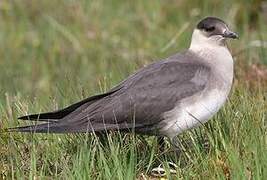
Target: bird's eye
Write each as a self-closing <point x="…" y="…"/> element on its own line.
<point x="209" y="29"/>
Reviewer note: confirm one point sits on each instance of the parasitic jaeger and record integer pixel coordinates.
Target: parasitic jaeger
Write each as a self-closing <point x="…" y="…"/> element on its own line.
<point x="164" y="98"/>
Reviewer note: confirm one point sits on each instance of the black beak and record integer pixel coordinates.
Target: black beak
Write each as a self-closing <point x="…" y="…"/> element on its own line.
<point x="230" y="34"/>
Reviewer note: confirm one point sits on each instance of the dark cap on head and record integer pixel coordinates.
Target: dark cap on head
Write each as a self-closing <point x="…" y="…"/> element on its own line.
<point x="215" y="26"/>
<point x="208" y="22"/>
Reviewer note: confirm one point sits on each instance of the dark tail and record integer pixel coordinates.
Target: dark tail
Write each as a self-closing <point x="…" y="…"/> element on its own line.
<point x="55" y="121"/>
<point x="50" y="128"/>
<point x="61" y="127"/>
<point x="56" y="115"/>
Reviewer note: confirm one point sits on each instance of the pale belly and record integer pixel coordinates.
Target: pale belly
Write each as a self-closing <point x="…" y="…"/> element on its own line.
<point x="199" y="108"/>
<point x="193" y="112"/>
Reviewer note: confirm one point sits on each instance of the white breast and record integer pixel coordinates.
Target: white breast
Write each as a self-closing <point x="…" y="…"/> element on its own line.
<point x="198" y="109"/>
<point x="188" y="114"/>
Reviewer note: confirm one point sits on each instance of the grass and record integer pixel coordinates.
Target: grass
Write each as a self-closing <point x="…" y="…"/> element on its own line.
<point x="54" y="53"/>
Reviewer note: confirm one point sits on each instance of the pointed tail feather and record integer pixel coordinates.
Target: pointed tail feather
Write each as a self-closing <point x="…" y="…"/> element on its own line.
<point x="50" y="128"/>
<point x="59" y="114"/>
<point x="55" y="127"/>
<point x="40" y="128"/>
<point x="41" y="117"/>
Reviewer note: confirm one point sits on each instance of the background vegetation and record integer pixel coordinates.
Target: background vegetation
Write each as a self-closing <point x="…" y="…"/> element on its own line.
<point x="53" y="53"/>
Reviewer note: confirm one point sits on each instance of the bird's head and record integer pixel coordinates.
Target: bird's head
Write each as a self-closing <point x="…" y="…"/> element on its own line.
<point x="211" y="31"/>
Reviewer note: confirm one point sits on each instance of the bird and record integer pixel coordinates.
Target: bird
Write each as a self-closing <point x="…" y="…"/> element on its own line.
<point x="163" y="99"/>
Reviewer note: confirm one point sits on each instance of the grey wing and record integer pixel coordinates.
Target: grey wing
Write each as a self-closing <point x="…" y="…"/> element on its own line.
<point x="138" y="103"/>
<point x="142" y="104"/>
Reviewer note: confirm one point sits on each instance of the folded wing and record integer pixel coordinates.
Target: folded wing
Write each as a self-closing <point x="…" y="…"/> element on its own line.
<point x="137" y="103"/>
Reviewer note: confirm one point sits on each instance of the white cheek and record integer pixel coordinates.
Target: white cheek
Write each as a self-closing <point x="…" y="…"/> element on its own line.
<point x="200" y="40"/>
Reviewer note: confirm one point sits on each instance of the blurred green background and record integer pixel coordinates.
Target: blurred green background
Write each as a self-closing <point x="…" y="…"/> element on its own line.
<point x="53" y="53"/>
<point x="47" y="44"/>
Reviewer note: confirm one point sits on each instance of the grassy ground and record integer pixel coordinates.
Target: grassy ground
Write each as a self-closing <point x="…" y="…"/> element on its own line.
<point x="53" y="53"/>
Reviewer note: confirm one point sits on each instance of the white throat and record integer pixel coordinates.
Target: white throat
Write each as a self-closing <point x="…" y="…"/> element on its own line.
<point x="213" y="52"/>
<point x="212" y="49"/>
<point x="200" y="41"/>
